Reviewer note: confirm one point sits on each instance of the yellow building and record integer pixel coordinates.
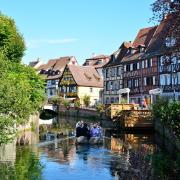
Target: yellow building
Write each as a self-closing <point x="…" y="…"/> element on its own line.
<point x="78" y="81"/>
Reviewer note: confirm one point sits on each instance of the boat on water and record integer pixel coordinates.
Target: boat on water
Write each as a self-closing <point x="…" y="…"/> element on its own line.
<point x="92" y="140"/>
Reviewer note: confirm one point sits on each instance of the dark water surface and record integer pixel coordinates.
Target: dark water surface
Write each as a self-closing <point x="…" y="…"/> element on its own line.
<point x="129" y="156"/>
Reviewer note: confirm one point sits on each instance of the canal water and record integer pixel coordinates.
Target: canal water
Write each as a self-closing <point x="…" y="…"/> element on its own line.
<point x="130" y="156"/>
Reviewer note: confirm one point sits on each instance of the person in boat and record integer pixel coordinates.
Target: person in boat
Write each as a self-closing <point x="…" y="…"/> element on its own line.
<point x="95" y="131"/>
<point x="86" y="131"/>
<point x="79" y="129"/>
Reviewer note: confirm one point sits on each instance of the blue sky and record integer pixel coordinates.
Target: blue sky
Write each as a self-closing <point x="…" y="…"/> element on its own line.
<point x="76" y="27"/>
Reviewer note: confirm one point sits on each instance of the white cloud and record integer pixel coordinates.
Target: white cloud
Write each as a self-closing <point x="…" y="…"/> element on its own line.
<point x="35" y="43"/>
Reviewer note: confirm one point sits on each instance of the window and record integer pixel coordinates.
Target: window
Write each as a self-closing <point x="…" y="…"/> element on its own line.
<point x="119" y="71"/>
<point x="135" y="66"/>
<point x="128" y="67"/>
<point x="53" y="82"/>
<point x="91" y="90"/>
<point x="131" y="67"/>
<point x="107" y="72"/>
<point x="165" y="79"/>
<point x="107" y="100"/>
<point x="173" y="59"/>
<point x="112" y="100"/>
<point x="178" y="75"/>
<point x="138" y="65"/>
<point x="124" y="68"/>
<point x="142" y="64"/>
<point x="145" y="81"/>
<point x="129" y="83"/>
<point x="136" y="82"/>
<point x="149" y="63"/>
<point x="154" y="80"/>
<point x="170" y="41"/>
<point x="146" y="63"/>
<point x="113" y="72"/>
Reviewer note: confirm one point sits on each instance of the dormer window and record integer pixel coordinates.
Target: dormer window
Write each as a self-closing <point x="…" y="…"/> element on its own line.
<point x="141" y="48"/>
<point x="132" y="50"/>
<point x="99" y="62"/>
<point x="113" y="57"/>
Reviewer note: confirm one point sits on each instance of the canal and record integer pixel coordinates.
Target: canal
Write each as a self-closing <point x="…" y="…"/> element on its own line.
<point x="122" y="156"/>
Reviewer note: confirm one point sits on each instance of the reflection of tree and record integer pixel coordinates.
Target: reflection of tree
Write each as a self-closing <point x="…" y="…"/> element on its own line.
<point x="27" y="166"/>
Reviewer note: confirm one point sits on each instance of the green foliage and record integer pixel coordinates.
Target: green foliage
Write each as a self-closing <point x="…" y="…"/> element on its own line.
<point x="21" y="88"/>
<point x="56" y="100"/>
<point x="21" y="94"/>
<point x="66" y="103"/>
<point x="77" y="104"/>
<point x="86" y="100"/>
<point x="164" y="166"/>
<point x="12" y="44"/>
<point x="100" y="108"/>
<point x="168" y="113"/>
<point x="27" y="166"/>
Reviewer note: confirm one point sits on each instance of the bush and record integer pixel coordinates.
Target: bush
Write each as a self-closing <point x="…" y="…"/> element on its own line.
<point x="77" y="104"/>
<point x="168" y="113"/>
<point x="86" y="100"/>
<point x="56" y="100"/>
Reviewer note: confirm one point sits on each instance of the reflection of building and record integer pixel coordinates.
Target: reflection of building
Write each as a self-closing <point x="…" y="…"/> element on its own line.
<point x="78" y="81"/>
<point x="53" y="71"/>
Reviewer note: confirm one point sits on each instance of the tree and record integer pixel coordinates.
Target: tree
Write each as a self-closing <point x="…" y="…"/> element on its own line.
<point x="21" y="94"/>
<point x="11" y="41"/>
<point x="170" y="8"/>
<point x="86" y="100"/>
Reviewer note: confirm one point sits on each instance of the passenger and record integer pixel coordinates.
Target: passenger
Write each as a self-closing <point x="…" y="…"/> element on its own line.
<point x="79" y="130"/>
<point x="86" y="131"/>
<point x="100" y="129"/>
<point x="95" y="131"/>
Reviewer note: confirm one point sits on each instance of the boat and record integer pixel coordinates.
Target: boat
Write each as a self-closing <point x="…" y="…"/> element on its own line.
<point x="92" y="140"/>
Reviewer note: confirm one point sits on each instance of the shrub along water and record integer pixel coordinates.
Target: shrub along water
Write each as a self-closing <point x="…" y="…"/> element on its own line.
<point x="169" y="114"/>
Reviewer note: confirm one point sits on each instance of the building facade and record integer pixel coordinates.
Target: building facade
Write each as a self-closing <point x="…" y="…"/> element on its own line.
<point x="78" y="81"/>
<point x="149" y="64"/>
<point x="52" y="71"/>
<point x="113" y="75"/>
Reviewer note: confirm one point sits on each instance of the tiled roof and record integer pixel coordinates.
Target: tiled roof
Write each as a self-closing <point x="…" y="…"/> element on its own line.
<point x="95" y="61"/>
<point x="157" y="43"/>
<point x="117" y="56"/>
<point x="98" y="57"/>
<point x="144" y="36"/>
<point x="54" y="68"/>
<point x="86" y="76"/>
<point x="143" y="39"/>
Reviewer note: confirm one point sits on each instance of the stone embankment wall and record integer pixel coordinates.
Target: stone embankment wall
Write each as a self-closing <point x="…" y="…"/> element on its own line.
<point x="166" y="137"/>
<point x="89" y="114"/>
<point x="28" y="133"/>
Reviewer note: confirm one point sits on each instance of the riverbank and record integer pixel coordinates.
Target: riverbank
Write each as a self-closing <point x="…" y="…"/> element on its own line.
<point x="167" y="137"/>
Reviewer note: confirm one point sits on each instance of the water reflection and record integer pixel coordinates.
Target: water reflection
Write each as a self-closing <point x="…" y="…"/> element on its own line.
<point x="25" y="165"/>
<point x="118" y="158"/>
<point x="125" y="156"/>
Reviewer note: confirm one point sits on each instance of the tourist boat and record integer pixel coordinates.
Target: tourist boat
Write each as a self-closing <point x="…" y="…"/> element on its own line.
<point x="92" y="140"/>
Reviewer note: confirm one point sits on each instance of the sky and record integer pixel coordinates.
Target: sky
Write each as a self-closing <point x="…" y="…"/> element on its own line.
<point x="80" y="28"/>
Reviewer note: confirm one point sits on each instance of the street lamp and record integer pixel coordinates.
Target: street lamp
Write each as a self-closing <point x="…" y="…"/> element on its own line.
<point x="174" y="76"/>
